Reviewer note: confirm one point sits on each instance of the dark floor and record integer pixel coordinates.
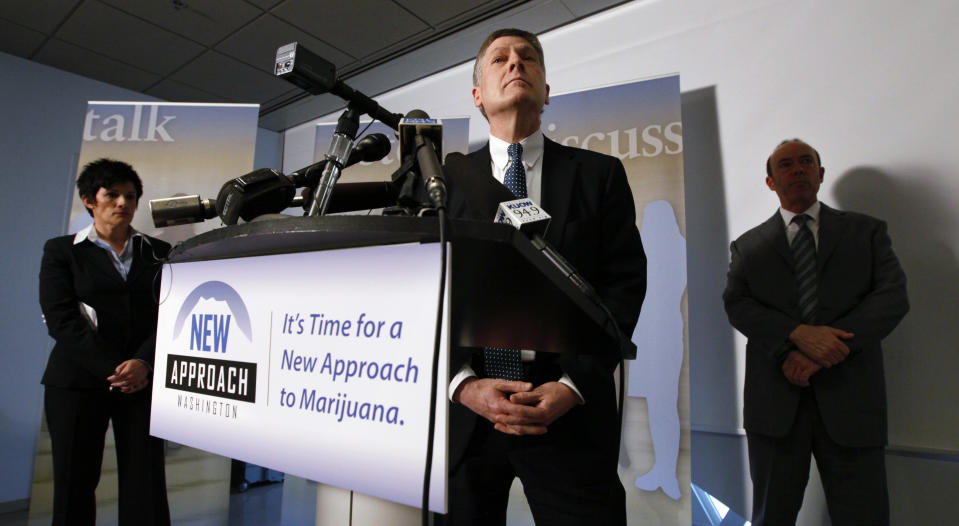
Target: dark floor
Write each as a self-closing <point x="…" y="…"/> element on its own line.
<point x="257" y="506"/>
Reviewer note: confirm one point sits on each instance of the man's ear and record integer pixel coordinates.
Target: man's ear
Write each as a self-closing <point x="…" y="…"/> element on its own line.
<point x="770" y="183"/>
<point x="477" y="97"/>
<point x="547" y="95"/>
<point x="87" y="203"/>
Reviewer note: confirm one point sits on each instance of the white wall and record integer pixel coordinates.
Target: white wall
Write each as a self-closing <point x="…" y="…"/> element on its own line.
<point x="870" y="84"/>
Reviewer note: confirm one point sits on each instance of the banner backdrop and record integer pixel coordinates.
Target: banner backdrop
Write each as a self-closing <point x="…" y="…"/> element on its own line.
<point x="641" y="124"/>
<point x="455" y="139"/>
<point x="176" y="148"/>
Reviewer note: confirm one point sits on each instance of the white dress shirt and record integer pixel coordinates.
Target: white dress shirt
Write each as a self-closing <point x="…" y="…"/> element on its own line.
<point x="793" y="228"/>
<point x="122" y="261"/>
<point x="533" y="164"/>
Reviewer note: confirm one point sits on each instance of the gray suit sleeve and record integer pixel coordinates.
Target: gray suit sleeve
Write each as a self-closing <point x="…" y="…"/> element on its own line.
<point x="758" y="321"/>
<point x="878" y="312"/>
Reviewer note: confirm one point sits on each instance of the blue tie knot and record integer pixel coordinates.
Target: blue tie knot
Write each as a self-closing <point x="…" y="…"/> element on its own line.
<point x="515" y="177"/>
<point x="515" y="152"/>
<point x="801" y="219"/>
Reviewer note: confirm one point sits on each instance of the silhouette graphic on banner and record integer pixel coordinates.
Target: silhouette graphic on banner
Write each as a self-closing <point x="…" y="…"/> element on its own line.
<point x="659" y="338"/>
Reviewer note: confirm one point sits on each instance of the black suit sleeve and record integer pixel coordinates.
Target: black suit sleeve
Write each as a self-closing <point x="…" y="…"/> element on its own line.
<point x="617" y="270"/>
<point x="151" y="255"/>
<point x="61" y="310"/>
<point x="621" y="280"/>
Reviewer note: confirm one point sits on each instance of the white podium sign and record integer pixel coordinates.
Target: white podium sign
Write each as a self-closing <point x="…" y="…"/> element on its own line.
<point x="316" y="364"/>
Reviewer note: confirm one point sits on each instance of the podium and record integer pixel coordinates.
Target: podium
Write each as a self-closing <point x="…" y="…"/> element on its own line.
<point x="492" y="264"/>
<point x="502" y="292"/>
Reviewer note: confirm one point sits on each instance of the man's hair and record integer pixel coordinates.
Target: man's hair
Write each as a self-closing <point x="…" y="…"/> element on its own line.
<point x="104" y="173"/>
<point x="769" y="163"/>
<point x="508" y="32"/>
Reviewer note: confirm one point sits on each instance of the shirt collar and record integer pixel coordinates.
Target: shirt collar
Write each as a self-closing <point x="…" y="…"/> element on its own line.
<point x="532" y="150"/>
<point x="812" y="212"/>
<point x="91" y="234"/>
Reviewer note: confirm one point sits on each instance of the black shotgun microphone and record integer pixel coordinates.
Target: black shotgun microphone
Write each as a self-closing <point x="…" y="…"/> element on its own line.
<point x="267" y="191"/>
<point x="262" y="191"/>
<point x="530" y="219"/>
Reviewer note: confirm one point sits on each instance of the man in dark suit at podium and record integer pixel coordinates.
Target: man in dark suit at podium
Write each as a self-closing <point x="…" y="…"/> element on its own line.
<point x="814" y="290"/>
<point x="548" y="418"/>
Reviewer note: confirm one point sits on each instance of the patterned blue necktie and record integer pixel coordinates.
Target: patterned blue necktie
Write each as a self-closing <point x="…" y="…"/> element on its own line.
<point x="508" y="363"/>
<point x="804" y="258"/>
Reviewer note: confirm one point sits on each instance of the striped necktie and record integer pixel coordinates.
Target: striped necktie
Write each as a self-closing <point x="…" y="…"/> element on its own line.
<point x="804" y="258"/>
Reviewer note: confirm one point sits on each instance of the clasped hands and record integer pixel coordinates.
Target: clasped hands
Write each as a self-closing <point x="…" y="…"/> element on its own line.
<point x="516" y="408"/>
<point x="817" y="346"/>
<point x="130" y="376"/>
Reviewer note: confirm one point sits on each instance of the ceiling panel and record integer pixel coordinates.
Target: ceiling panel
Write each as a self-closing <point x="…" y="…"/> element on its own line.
<point x="74" y="59"/>
<point x="223" y="50"/>
<point x="358" y="27"/>
<point x="256" y="44"/>
<point x="204" y="21"/>
<point x="43" y="16"/>
<point x="265" y="4"/>
<point x="128" y="39"/>
<point x="18" y="40"/>
<point x="581" y="8"/>
<point x="434" y="13"/>
<point x="226" y="77"/>
<point x="172" y="90"/>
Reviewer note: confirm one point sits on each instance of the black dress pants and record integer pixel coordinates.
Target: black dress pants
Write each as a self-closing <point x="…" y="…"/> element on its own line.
<point x="853" y="478"/>
<point x="77" y="420"/>
<point x="567" y="481"/>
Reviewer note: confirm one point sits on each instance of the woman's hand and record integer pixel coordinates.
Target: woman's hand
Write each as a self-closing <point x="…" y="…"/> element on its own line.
<point x="130" y="376"/>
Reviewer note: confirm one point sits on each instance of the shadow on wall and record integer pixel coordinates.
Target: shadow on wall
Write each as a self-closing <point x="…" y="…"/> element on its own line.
<point x="920" y="355"/>
<point x="718" y="460"/>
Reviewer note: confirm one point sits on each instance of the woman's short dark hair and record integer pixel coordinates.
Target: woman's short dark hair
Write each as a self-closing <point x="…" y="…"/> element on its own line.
<point x="104" y="173"/>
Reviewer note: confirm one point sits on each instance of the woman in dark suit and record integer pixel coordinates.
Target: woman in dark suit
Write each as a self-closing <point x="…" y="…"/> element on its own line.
<point x="98" y="293"/>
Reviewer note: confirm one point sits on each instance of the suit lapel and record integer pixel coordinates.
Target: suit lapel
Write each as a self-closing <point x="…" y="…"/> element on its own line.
<point x="478" y="199"/>
<point x="831" y="230"/>
<point x="558" y="181"/>
<point x="774" y="234"/>
<point x="137" y="265"/>
<point x="97" y="257"/>
<point x="482" y="156"/>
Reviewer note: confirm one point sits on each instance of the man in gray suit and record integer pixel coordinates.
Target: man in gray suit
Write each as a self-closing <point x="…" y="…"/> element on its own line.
<point x="814" y="290"/>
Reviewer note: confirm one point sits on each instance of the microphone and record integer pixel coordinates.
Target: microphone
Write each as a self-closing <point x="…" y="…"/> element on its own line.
<point x="369" y="149"/>
<point x="525" y="216"/>
<point x="313" y="73"/>
<point x="530" y="219"/>
<point x="263" y="191"/>
<point x="172" y="211"/>
<point x="266" y="191"/>
<point x="423" y="137"/>
<point x="419" y="122"/>
<point x="340" y="146"/>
